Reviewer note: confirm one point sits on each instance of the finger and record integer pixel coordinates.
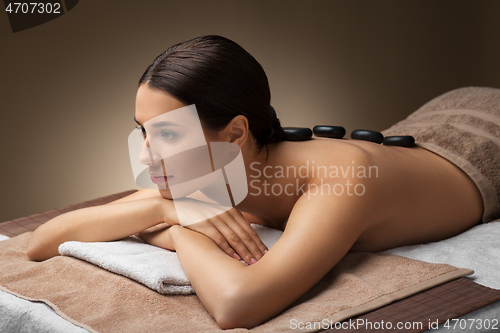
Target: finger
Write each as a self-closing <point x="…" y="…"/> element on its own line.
<point x="249" y="230"/>
<point x="224" y="224"/>
<point x="208" y="229"/>
<point x="239" y="239"/>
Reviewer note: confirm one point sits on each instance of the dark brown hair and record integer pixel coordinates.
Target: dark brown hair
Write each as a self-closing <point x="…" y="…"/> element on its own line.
<point x="222" y="80"/>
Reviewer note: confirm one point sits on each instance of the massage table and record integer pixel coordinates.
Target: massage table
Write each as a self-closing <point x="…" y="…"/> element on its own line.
<point x="462" y="298"/>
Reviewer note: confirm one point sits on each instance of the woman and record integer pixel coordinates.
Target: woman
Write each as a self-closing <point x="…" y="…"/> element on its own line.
<point x="344" y="195"/>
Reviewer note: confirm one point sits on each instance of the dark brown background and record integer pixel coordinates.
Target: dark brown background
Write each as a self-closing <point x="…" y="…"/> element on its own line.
<point x="68" y="86"/>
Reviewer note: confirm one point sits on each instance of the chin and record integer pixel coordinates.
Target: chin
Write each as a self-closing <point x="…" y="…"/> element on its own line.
<point x="165" y="193"/>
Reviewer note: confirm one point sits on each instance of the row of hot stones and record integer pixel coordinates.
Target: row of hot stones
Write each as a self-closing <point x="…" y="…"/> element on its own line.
<point x="338" y="132"/>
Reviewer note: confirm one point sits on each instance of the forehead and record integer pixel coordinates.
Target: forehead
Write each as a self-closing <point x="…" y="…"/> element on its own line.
<point x="151" y="103"/>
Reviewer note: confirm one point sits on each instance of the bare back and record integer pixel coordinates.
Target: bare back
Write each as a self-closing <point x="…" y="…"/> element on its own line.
<point x="421" y="197"/>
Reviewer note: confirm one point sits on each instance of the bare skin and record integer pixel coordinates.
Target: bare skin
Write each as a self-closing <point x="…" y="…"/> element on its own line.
<point x="417" y="197"/>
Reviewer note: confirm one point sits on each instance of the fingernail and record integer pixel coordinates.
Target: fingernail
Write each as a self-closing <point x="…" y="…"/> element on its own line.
<point x="253" y="260"/>
<point x="235" y="256"/>
<point x="265" y="251"/>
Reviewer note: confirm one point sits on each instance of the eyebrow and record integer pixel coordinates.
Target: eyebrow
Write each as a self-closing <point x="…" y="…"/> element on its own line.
<point x="159" y="124"/>
<point x="163" y="123"/>
<point x="156" y="125"/>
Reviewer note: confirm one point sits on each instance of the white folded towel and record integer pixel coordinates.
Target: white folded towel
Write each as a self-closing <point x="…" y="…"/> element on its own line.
<point x="157" y="268"/>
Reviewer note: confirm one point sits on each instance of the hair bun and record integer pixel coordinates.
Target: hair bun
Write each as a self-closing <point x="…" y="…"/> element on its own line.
<point x="274" y="133"/>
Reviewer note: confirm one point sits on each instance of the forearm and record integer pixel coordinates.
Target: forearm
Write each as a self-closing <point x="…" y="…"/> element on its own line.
<point x="203" y="261"/>
<point x="94" y="224"/>
<point x="211" y="272"/>
<point x="231" y="291"/>
<point x="157" y="235"/>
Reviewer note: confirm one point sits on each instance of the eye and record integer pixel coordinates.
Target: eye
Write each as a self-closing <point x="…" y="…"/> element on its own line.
<point x="168" y="135"/>
<point x="142" y="129"/>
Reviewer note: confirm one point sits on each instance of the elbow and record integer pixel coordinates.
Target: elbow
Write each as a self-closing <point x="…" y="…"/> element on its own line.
<point x="227" y="323"/>
<point x="228" y="319"/>
<point x="232" y="310"/>
<point x="33" y="250"/>
<point x="37" y="251"/>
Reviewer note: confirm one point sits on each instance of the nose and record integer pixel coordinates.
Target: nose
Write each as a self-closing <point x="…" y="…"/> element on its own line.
<point x="146" y="157"/>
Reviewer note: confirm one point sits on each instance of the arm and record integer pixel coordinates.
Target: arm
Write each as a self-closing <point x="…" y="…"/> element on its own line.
<point x="132" y="215"/>
<point x="231" y="231"/>
<point x="320" y="231"/>
<point x="98" y="224"/>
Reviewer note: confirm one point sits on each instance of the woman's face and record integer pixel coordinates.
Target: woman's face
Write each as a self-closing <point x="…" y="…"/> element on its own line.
<point x="175" y="142"/>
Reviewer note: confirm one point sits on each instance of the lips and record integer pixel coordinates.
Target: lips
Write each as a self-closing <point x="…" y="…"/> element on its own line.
<point x="160" y="179"/>
<point x="157" y="175"/>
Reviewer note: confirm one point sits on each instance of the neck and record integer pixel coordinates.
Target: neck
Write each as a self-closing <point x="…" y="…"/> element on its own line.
<point x="270" y="195"/>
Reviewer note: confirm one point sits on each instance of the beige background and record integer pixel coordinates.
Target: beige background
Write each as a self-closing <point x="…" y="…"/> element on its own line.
<point x="68" y="87"/>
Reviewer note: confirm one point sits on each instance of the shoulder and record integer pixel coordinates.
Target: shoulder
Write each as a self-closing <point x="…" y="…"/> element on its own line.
<point x="344" y="183"/>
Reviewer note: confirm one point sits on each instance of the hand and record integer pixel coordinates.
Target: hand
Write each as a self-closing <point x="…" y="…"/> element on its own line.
<point x="233" y="234"/>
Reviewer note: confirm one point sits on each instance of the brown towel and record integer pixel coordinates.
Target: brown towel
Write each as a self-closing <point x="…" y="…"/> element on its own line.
<point x="101" y="301"/>
<point x="463" y="126"/>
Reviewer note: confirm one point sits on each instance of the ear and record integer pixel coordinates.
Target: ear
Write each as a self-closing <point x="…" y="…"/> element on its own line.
<point x="237" y="130"/>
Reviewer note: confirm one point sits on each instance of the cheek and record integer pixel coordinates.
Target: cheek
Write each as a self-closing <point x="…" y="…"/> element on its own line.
<point x="211" y="136"/>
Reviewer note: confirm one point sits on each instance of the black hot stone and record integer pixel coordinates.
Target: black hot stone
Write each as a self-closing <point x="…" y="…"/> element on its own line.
<point x="297" y="133"/>
<point x="400" y="140"/>
<point x="335" y="132"/>
<point x="367" y="135"/>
